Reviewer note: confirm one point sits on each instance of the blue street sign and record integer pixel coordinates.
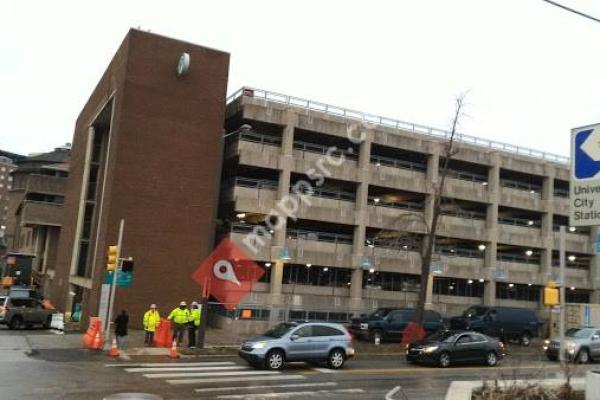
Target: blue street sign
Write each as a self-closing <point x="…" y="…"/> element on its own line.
<point x="124" y="279"/>
<point x="598" y="243"/>
<point x="587" y="154"/>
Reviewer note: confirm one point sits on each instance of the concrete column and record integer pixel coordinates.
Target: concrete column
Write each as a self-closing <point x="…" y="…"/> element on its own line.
<point x="594" y="267"/>
<point x="279" y="237"/>
<point x="491" y="249"/>
<point x="547" y="230"/>
<point x="360" y="221"/>
<point x="431" y="180"/>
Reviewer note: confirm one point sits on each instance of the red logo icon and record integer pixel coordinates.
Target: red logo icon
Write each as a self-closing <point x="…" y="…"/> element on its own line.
<point x="228" y="274"/>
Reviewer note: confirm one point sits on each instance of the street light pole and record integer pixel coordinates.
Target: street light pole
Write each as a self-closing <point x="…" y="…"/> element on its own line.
<point x="563" y="302"/>
<point x="114" y="284"/>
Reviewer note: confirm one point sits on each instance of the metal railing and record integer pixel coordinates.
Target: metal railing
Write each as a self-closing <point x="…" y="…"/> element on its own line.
<point x="396" y="163"/>
<point x="517" y="258"/>
<point x="467" y="176"/>
<point x="322" y="149"/>
<point x="392" y="123"/>
<point x="404" y="205"/>
<point x="255" y="183"/>
<point x="319" y="236"/>
<point x="328" y="193"/>
<point x="528" y="223"/>
<point x="254" y="137"/>
<point x="459" y="252"/>
<point x="465" y="214"/>
<point x="509" y="183"/>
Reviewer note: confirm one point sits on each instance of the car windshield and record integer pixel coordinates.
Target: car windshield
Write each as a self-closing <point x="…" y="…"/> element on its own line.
<point x="279" y="330"/>
<point x="474" y="312"/>
<point x="380" y="313"/>
<point x="579" y="333"/>
<point x="442" y="336"/>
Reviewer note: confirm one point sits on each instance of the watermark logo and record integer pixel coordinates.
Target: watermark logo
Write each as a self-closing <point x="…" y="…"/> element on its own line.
<point x="228" y="274"/>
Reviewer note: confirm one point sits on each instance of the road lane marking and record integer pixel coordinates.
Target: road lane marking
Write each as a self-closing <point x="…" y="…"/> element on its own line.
<point x="173" y="364"/>
<point x="179" y="369"/>
<point x="435" y="369"/>
<point x="325" y="370"/>
<point x="272" y="395"/>
<point x="285" y="386"/>
<point x="235" y="379"/>
<point x="204" y="374"/>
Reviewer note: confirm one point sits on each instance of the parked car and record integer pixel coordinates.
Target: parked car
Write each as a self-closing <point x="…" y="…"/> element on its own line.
<point x="24" y="312"/>
<point x="447" y="348"/>
<point x="299" y="341"/>
<point x="389" y="324"/>
<point x="506" y="323"/>
<point x="581" y="345"/>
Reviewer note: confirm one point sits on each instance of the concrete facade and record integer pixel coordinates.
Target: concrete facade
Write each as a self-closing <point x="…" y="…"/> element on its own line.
<point x="499" y="227"/>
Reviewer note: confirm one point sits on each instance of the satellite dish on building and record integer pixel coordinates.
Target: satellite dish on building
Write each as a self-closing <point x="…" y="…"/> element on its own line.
<point x="184" y="64"/>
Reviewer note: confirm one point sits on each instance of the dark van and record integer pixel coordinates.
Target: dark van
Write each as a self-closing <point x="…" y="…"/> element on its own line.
<point x="389" y="324"/>
<point x="507" y="323"/>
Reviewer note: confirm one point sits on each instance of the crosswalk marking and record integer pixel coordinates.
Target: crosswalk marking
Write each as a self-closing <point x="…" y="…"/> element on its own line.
<point x="272" y="395"/>
<point x="206" y="374"/>
<point x="286" y="386"/>
<point x="326" y="370"/>
<point x="176" y="369"/>
<point x="236" y="379"/>
<point x="173" y="364"/>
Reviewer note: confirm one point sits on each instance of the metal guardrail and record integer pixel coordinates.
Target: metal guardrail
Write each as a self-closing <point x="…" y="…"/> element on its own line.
<point x="509" y="183"/>
<point x="394" y="162"/>
<point x="404" y="205"/>
<point x="392" y="123"/>
<point x="322" y="149"/>
<point x="517" y="258"/>
<point x="465" y="214"/>
<point x="255" y="183"/>
<point x="467" y="176"/>
<point x="527" y="223"/>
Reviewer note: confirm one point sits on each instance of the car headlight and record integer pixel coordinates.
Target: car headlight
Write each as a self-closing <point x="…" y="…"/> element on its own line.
<point x="259" y="345"/>
<point x="547" y="342"/>
<point x="430" y="349"/>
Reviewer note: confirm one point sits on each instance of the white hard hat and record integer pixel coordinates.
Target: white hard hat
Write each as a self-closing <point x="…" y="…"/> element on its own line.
<point x="183" y="303"/>
<point x="152" y="305"/>
<point x="194" y="303"/>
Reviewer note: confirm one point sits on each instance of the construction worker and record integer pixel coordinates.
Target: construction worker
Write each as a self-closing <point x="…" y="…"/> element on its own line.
<point x="151" y="322"/>
<point x="193" y="324"/>
<point x="180" y="317"/>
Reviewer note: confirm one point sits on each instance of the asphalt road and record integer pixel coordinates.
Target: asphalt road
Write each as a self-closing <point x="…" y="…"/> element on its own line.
<point x="36" y="365"/>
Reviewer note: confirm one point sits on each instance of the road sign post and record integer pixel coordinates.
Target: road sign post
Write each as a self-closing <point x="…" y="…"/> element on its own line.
<point x="111" y="302"/>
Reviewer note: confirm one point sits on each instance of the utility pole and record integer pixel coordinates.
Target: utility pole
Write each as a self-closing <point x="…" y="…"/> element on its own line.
<point x="563" y="302"/>
<point x="114" y="285"/>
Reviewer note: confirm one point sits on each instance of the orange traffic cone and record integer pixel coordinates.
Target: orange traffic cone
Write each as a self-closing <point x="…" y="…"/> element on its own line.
<point x="97" y="343"/>
<point x="173" y="351"/>
<point x="114" y="350"/>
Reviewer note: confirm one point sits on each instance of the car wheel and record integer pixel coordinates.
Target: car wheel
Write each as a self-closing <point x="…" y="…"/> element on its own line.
<point x="16" y="323"/>
<point x="583" y="357"/>
<point x="48" y="322"/>
<point x="491" y="359"/>
<point x="444" y="360"/>
<point x="336" y="359"/>
<point x="376" y="336"/>
<point x="275" y="360"/>
<point x="525" y="340"/>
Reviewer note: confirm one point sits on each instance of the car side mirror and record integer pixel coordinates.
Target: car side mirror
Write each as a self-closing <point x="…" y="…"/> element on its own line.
<point x="294" y="337"/>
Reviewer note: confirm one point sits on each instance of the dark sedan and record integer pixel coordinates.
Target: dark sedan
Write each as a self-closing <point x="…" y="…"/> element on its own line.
<point x="446" y="348"/>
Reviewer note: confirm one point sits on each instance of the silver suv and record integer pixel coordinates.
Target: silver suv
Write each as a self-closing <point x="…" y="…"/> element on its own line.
<point x="580" y="344"/>
<point x="299" y="341"/>
<point x="18" y="313"/>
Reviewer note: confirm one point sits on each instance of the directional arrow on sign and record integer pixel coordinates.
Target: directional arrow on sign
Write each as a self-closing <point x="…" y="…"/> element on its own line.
<point x="591" y="146"/>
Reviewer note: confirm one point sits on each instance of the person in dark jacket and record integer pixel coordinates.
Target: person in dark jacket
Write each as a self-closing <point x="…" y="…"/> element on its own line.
<point x="121" y="323"/>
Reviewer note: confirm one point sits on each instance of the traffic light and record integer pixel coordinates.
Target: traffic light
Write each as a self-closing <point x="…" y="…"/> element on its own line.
<point x="111" y="258"/>
<point x="127" y="265"/>
<point x="551" y="294"/>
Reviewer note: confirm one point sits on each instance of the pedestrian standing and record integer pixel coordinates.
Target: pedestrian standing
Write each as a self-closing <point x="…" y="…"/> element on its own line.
<point x="121" y="323"/>
<point x="151" y="322"/>
<point x="193" y="324"/>
<point x="180" y="317"/>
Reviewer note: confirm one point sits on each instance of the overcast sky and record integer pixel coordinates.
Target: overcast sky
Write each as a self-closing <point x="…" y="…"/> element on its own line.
<point x="531" y="69"/>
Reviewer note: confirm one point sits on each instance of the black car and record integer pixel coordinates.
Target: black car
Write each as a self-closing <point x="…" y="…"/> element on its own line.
<point x="446" y="348"/>
<point x="506" y="323"/>
<point x="389" y="324"/>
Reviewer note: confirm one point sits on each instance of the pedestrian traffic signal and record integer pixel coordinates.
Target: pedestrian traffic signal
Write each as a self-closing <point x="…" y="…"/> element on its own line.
<point x="111" y="258"/>
<point x="127" y="265"/>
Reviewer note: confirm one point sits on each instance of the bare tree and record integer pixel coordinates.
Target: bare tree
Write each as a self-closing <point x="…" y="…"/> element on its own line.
<point x="432" y="225"/>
